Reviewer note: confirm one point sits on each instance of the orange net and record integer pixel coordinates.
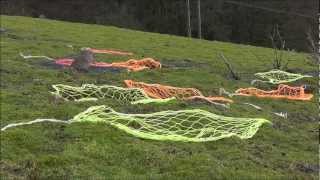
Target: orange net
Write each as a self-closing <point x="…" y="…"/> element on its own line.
<point x="283" y="92"/>
<point x="159" y="91"/>
<point x="109" y="51"/>
<point x="138" y="65"/>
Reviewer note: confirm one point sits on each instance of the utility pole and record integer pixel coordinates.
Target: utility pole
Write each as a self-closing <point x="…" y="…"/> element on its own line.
<point x="188" y="18"/>
<point x="199" y="19"/>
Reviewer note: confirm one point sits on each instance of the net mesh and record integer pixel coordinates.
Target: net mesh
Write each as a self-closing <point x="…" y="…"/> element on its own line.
<point x="283" y="92"/>
<point x="131" y="65"/>
<point x="138" y="65"/>
<point x="89" y="92"/>
<point x="278" y="77"/>
<point x="185" y="125"/>
<point x="159" y="91"/>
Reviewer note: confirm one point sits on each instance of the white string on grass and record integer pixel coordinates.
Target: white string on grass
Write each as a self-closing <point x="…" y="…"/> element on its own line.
<point x="33" y="122"/>
<point x="281" y="114"/>
<point x="32" y="57"/>
<point x="255" y="106"/>
<point x="222" y="91"/>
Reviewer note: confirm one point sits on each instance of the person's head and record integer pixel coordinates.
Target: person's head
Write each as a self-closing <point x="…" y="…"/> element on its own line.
<point x="86" y="52"/>
<point x="307" y="88"/>
<point x="85" y="48"/>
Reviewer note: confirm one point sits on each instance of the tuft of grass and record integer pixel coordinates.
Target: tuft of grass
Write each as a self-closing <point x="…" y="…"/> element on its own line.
<point x="286" y="149"/>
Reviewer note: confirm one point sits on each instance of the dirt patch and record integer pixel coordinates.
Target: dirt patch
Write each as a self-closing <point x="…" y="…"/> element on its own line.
<point x="52" y="65"/>
<point x="5" y="71"/>
<point x="307" y="168"/>
<point x="57" y="40"/>
<point x="301" y="71"/>
<point x="11" y="170"/>
<point x="9" y="34"/>
<point x="280" y="126"/>
<point x="3" y="30"/>
<point x="302" y="117"/>
<point x="182" y="64"/>
<point x="171" y="150"/>
<point x="17" y="37"/>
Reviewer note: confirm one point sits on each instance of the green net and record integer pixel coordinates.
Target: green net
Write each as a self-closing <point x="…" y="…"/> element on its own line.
<point x="278" y="77"/>
<point x="185" y="125"/>
<point x="157" y="101"/>
<point x="90" y="92"/>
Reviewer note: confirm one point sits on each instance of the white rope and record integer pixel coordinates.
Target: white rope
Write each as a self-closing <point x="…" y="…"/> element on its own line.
<point x="70" y="46"/>
<point x="281" y="114"/>
<point x="30" y="57"/>
<point x="257" y="80"/>
<point x="255" y="106"/>
<point x="33" y="122"/>
<point x="227" y="106"/>
<point x="223" y="91"/>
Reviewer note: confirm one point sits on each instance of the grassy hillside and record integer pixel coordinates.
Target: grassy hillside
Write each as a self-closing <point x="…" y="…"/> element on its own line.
<point x="286" y="149"/>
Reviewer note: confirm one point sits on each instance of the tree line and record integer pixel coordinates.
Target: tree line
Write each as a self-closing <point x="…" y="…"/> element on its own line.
<point x="239" y="21"/>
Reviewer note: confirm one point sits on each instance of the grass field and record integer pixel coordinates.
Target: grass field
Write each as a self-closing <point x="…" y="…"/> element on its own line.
<point x="287" y="149"/>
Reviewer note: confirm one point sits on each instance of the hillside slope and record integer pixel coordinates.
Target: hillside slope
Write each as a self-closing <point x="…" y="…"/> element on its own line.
<point x="288" y="148"/>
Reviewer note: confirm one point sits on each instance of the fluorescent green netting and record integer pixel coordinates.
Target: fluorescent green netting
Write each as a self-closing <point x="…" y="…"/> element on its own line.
<point x="89" y="92"/>
<point x="184" y="125"/>
<point x="158" y="101"/>
<point x="279" y="77"/>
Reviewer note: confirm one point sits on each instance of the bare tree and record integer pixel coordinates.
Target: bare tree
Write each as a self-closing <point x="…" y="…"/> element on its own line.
<point x="313" y="48"/>
<point x="278" y="45"/>
<point x="188" y="18"/>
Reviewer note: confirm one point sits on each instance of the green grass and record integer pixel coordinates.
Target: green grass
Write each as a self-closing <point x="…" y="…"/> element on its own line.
<point x="285" y="150"/>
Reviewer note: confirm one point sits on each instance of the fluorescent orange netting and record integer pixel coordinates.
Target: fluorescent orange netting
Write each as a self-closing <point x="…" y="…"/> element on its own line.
<point x="138" y="65"/>
<point x="283" y="92"/>
<point x="110" y="51"/>
<point x="159" y="91"/>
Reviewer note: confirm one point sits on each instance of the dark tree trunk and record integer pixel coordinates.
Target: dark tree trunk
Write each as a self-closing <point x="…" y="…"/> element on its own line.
<point x="188" y="18"/>
<point x="199" y="20"/>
